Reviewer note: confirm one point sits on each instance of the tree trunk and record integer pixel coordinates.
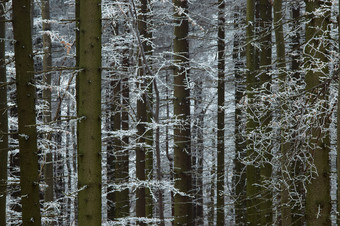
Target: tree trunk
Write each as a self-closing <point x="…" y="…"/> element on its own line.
<point x="239" y="177"/>
<point x="141" y="118"/>
<point x="318" y="204"/>
<point x="113" y="152"/>
<point x="46" y="94"/>
<point x="182" y="134"/>
<point x="286" y="218"/>
<point x="338" y="131"/>
<point x="252" y="190"/>
<point x="89" y="113"/>
<point x="26" y="95"/>
<point x="297" y="211"/>
<point x="265" y="8"/>
<point x="3" y="119"/>
<point x="124" y="158"/>
<point x="220" y="113"/>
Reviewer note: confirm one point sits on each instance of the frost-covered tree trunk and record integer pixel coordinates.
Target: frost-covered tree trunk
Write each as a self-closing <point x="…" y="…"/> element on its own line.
<point x="89" y="113"/>
<point x="220" y="112"/>
<point x="197" y="160"/>
<point x="182" y="134"/>
<point x="265" y="22"/>
<point x="239" y="176"/>
<point x="286" y="217"/>
<point x="318" y="204"/>
<point x="3" y="119"/>
<point x="297" y="211"/>
<point x="26" y="96"/>
<point x="46" y="95"/>
<point x="114" y="208"/>
<point x="252" y="172"/>
<point x="124" y="157"/>
<point x="141" y="116"/>
<point x="338" y="129"/>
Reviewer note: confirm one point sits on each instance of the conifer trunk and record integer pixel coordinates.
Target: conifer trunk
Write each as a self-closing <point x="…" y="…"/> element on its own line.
<point x="182" y="134"/>
<point x="265" y="9"/>
<point x="26" y="96"/>
<point x="239" y="177"/>
<point x="3" y="119"/>
<point x="89" y="113"/>
<point x="46" y="94"/>
<point x="286" y="217"/>
<point x="318" y="204"/>
<point x="252" y="190"/>
<point x="220" y="112"/>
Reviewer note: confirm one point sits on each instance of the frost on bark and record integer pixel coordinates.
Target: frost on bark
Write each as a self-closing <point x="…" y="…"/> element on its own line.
<point x="182" y="134"/>
<point x="252" y="191"/>
<point x="220" y="112"/>
<point x="46" y="94"/>
<point x="89" y="113"/>
<point x="239" y="176"/>
<point x="3" y="119"/>
<point x="286" y="217"/>
<point x="26" y="95"/>
<point x="265" y="10"/>
<point x="318" y="204"/>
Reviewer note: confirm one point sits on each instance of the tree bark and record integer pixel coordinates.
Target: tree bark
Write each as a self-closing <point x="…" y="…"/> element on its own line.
<point x="46" y="95"/>
<point x="265" y="9"/>
<point x="220" y="112"/>
<point x="318" y="204"/>
<point x="89" y="113"/>
<point x="182" y="134"/>
<point x="286" y="217"/>
<point x="252" y="190"/>
<point x="239" y="177"/>
<point x="26" y="95"/>
<point x="3" y="118"/>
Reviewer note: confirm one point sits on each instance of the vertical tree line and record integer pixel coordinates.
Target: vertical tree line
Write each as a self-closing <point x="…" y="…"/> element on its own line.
<point x="169" y="112"/>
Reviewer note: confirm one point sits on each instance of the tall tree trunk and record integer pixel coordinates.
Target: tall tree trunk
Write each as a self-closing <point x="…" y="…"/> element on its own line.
<point x="113" y="153"/>
<point x="286" y="218"/>
<point x="3" y="118"/>
<point x="124" y="158"/>
<point x="89" y="113"/>
<point x="239" y="176"/>
<point x="318" y="204"/>
<point x="141" y="116"/>
<point x="265" y="8"/>
<point x="26" y="95"/>
<point x="252" y="190"/>
<point x="338" y="129"/>
<point x="220" y="112"/>
<point x="46" y="94"/>
<point x="297" y="211"/>
<point x="182" y="133"/>
<point x="197" y="161"/>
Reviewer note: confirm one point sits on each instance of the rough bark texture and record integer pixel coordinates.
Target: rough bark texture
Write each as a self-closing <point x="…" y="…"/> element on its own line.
<point x="318" y="204"/>
<point x="26" y="95"/>
<point x="220" y="112"/>
<point x="89" y="113"/>
<point x="182" y="134"/>
<point x="3" y="120"/>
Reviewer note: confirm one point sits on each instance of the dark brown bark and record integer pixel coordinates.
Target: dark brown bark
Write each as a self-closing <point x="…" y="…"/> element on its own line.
<point x="26" y="95"/>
